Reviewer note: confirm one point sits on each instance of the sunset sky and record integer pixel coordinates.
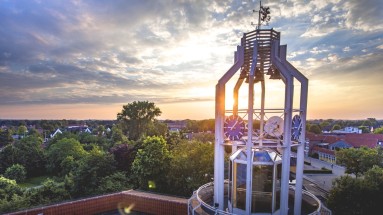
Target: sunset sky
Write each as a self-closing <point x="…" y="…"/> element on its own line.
<point x="78" y="59"/>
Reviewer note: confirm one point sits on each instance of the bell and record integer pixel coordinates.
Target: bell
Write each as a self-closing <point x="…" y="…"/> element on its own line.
<point x="270" y="70"/>
<point x="259" y="77"/>
<point x="275" y="75"/>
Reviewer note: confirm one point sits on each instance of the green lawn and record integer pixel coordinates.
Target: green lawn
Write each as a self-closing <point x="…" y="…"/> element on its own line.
<point x="33" y="182"/>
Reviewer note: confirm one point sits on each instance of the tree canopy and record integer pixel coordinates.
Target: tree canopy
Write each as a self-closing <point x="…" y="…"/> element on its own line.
<point x="136" y="116"/>
<point x="315" y="129"/>
<point x="151" y="164"/>
<point x="27" y="152"/>
<point x="191" y="166"/>
<point x="58" y="153"/>
<point x="16" y="172"/>
<point x="5" y="137"/>
<point x="91" y="169"/>
<point x="378" y="130"/>
<point x="336" y="127"/>
<point x="82" y="164"/>
<point x="358" y="160"/>
<point x="352" y="196"/>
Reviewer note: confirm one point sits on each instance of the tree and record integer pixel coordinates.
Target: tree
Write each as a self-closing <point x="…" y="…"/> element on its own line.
<point x="27" y="152"/>
<point x="314" y="128"/>
<point x="113" y="183"/>
<point x="22" y="130"/>
<point x="173" y="139"/>
<point x="8" y="188"/>
<point x="31" y="155"/>
<point x="34" y="132"/>
<point x="157" y="128"/>
<point x="336" y="127"/>
<point x="324" y="124"/>
<point x="192" y="126"/>
<point x="124" y="155"/>
<point x="5" y="137"/>
<point x="207" y="125"/>
<point x="136" y="116"/>
<point x="91" y="169"/>
<point x="16" y="172"/>
<point x="365" y="129"/>
<point x="192" y="165"/>
<point x="378" y="130"/>
<point x="151" y="164"/>
<point x="15" y="203"/>
<point x="204" y="137"/>
<point x="59" y="151"/>
<point x="358" y="161"/>
<point x="50" y="192"/>
<point x="346" y="195"/>
<point x="357" y="195"/>
<point x="11" y="196"/>
<point x="7" y="156"/>
<point x="86" y="138"/>
<point x="117" y="136"/>
<point x="367" y="123"/>
<point x="100" y="130"/>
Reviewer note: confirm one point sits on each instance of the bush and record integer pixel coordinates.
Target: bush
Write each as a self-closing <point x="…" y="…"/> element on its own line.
<point x="317" y="171"/>
<point x="16" y="172"/>
<point x="50" y="192"/>
<point x="315" y="155"/>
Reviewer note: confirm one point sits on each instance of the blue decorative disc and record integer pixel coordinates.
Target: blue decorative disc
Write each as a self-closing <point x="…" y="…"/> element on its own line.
<point x="296" y="128"/>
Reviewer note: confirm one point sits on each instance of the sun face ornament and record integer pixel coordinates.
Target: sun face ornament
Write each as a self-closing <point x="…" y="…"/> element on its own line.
<point x="274" y="126"/>
<point x="234" y="127"/>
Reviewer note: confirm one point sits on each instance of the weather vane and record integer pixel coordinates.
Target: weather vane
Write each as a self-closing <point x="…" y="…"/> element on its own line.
<point x="263" y="15"/>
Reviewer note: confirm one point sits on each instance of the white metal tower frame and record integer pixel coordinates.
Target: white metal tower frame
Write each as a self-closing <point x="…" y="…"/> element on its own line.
<point x="289" y="74"/>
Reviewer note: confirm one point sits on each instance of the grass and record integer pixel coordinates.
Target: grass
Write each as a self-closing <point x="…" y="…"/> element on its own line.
<point x="33" y="182"/>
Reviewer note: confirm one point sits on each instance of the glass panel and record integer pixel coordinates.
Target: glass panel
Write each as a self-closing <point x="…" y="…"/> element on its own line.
<point x="278" y="158"/>
<point x="262" y="189"/>
<point x="262" y="156"/>
<point x="278" y="186"/>
<point x="242" y="155"/>
<point x="239" y="184"/>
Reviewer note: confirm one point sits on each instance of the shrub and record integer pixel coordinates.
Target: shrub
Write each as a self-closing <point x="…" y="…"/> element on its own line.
<point x="16" y="172"/>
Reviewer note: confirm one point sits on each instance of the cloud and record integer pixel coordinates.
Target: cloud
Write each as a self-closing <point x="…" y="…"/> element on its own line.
<point x="346" y="49"/>
<point x="364" y="15"/>
<point x="95" y="52"/>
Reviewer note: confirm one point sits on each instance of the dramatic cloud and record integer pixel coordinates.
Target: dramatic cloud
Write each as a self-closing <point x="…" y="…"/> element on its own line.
<point x="172" y="52"/>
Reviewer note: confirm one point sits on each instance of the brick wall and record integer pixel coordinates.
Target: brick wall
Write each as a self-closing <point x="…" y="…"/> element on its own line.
<point x="134" y="200"/>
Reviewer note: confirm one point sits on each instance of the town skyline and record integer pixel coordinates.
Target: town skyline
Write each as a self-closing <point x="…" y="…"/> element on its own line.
<point x="85" y="60"/>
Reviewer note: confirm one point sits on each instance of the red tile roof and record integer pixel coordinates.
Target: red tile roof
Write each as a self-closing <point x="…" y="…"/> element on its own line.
<point x="377" y="136"/>
<point x="322" y="138"/>
<point x="361" y="141"/>
<point x="324" y="150"/>
<point x="356" y="140"/>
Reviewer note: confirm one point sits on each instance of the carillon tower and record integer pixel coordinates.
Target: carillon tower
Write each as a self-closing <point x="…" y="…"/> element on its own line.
<point x="256" y="177"/>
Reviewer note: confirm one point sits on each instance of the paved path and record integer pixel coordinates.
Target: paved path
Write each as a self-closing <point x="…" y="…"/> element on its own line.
<point x="336" y="169"/>
<point x="323" y="181"/>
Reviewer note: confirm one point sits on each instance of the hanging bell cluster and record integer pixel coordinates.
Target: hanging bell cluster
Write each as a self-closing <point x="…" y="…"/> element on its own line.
<point x="273" y="72"/>
<point x="258" y="76"/>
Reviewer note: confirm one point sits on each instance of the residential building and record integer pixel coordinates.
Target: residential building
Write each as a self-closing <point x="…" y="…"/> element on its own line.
<point x="325" y="145"/>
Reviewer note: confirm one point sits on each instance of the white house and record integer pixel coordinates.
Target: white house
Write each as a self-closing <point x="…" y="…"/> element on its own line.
<point x="58" y="131"/>
<point x="348" y="130"/>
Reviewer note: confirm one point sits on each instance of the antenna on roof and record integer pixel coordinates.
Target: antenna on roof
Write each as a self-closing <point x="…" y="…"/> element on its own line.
<point x="263" y="15"/>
